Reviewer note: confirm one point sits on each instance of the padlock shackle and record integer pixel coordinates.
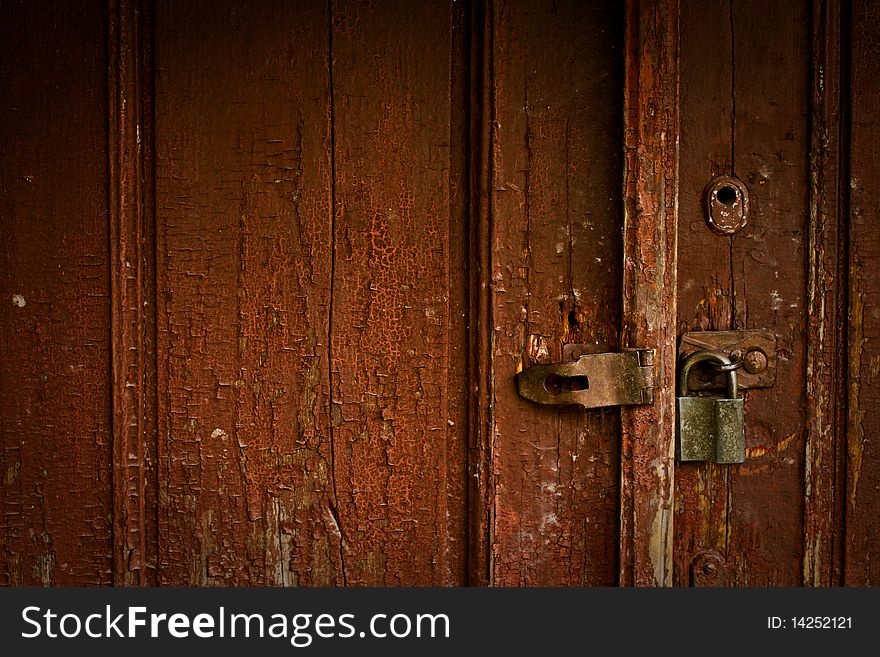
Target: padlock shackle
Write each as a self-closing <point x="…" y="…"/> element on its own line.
<point x="700" y="357"/>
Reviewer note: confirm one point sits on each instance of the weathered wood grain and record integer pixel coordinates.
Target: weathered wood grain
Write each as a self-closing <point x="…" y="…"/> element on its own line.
<point x="705" y="287"/>
<point x="650" y="225"/>
<point x="458" y="348"/>
<point x="480" y="295"/>
<point x="862" y="547"/>
<point x="555" y="212"/>
<point x="132" y="283"/>
<point x="244" y="281"/>
<point x="771" y="138"/>
<point x="824" y="475"/>
<point x="396" y="312"/>
<point x="55" y="424"/>
<point x="752" y="514"/>
<point x="368" y="218"/>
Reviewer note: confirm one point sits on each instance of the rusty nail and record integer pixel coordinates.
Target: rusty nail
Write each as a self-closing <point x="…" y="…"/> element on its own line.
<point x="755" y="361"/>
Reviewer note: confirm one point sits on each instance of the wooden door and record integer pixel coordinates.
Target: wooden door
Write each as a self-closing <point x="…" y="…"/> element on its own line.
<point x="271" y="269"/>
<point x="772" y="93"/>
<point x="315" y="284"/>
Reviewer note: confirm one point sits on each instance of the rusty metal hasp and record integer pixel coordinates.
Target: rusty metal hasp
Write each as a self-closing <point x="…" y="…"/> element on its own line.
<point x="752" y="350"/>
<point x="593" y="380"/>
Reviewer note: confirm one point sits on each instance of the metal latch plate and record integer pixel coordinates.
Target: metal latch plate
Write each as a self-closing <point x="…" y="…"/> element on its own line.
<point x="755" y="348"/>
<point x="593" y="380"/>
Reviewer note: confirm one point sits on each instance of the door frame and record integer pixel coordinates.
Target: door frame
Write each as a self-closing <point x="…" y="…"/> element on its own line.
<point x="650" y="263"/>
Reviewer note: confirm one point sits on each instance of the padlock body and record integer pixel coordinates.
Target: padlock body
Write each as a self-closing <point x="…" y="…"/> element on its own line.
<point x="711" y="429"/>
<point x="730" y="445"/>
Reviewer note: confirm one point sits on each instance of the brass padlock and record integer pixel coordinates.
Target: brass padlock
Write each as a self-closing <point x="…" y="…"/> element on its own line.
<point x="710" y="429"/>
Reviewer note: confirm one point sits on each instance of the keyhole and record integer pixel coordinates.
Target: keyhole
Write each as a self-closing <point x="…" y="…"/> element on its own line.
<point x="726" y="195"/>
<point x="726" y="203"/>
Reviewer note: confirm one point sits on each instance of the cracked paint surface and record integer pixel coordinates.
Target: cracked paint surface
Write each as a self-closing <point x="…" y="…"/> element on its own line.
<point x="556" y="281"/>
<point x="55" y="431"/>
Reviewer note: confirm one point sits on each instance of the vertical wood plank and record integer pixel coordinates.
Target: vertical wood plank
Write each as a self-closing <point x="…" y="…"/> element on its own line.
<point x="55" y="415"/>
<point x="705" y="288"/>
<point x="751" y="517"/>
<point x="826" y="311"/>
<point x="769" y="264"/>
<point x="481" y="296"/>
<point x="132" y="283"/>
<point x="459" y="345"/>
<point x="556" y="212"/>
<point x="393" y="423"/>
<point x="244" y="272"/>
<point x="651" y="172"/>
<point x="862" y="550"/>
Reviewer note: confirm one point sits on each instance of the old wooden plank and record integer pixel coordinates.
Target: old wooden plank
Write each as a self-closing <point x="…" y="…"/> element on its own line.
<point x="556" y="267"/>
<point x="481" y="295"/>
<point x="132" y="256"/>
<point x="651" y="175"/>
<point x="244" y="270"/>
<point x="862" y="550"/>
<point x="393" y="334"/>
<point x="771" y="137"/>
<point x="826" y="312"/>
<point x="735" y="512"/>
<point x="55" y="424"/>
<point x="705" y="286"/>
<point x="458" y="348"/>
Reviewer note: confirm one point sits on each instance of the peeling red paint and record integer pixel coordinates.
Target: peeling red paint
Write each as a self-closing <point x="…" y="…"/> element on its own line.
<point x="244" y="272"/>
<point x="738" y="510"/>
<point x="288" y="358"/>
<point x="55" y="424"/>
<point x="556" y="218"/>
<point x="861" y="548"/>
<point x="393" y="310"/>
<point x="649" y="287"/>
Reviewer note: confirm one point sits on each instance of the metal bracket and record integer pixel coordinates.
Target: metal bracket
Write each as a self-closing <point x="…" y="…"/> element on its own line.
<point x="593" y="380"/>
<point x="753" y="350"/>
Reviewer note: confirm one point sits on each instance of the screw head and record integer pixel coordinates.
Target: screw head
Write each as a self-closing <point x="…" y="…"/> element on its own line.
<point x="755" y="361"/>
